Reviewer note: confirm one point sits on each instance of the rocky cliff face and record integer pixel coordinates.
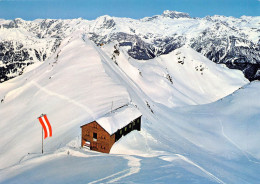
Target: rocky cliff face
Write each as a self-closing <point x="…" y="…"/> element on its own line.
<point x="232" y="41"/>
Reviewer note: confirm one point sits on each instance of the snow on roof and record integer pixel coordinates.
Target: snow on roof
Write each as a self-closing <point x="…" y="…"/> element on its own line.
<point x="118" y="118"/>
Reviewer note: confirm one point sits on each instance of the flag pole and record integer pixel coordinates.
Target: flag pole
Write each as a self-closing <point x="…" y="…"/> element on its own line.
<point x="42" y="135"/>
<point x="46" y="127"/>
<point x="42" y="140"/>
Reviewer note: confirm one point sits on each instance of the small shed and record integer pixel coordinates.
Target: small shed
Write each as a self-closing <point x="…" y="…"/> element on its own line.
<point x="101" y="134"/>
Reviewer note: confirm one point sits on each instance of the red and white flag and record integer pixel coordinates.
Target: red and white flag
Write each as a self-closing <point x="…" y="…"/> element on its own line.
<point x="46" y="126"/>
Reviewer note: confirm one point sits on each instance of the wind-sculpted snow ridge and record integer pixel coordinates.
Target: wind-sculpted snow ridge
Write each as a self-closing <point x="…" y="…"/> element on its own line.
<point x="190" y="143"/>
<point x="228" y="40"/>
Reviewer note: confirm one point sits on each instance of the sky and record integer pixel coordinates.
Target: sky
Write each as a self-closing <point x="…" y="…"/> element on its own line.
<point x="91" y="9"/>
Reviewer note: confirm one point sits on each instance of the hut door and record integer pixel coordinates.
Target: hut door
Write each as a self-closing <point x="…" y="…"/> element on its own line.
<point x="87" y="145"/>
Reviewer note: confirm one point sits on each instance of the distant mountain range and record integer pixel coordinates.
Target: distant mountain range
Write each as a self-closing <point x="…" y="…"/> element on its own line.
<point x="200" y="120"/>
<point x="232" y="41"/>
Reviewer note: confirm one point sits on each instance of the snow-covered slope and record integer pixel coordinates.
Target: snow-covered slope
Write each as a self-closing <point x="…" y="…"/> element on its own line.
<point x="72" y="88"/>
<point x="184" y="76"/>
<point x="217" y="141"/>
<point x="186" y="144"/>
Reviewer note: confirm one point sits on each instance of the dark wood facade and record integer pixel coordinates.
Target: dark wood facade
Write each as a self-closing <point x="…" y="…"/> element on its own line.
<point x="96" y="138"/>
<point x="133" y="125"/>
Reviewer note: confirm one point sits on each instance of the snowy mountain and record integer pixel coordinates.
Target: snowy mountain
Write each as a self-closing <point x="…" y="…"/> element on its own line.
<point x="181" y="141"/>
<point x="200" y="119"/>
<point x="184" y="76"/>
<point x="228" y="40"/>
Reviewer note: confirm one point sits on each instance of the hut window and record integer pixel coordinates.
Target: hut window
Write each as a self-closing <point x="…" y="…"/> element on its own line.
<point x="94" y="136"/>
<point x="130" y="126"/>
<point x="125" y="128"/>
<point x="134" y="123"/>
<point x="121" y="132"/>
<point x="138" y="120"/>
<point x="95" y="126"/>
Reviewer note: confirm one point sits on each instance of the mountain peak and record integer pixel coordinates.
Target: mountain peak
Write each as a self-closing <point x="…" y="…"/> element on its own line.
<point x="105" y="21"/>
<point x="175" y="14"/>
<point x="18" y="21"/>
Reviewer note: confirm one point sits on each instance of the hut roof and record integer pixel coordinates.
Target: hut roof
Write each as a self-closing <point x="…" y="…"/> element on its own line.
<point x="118" y="118"/>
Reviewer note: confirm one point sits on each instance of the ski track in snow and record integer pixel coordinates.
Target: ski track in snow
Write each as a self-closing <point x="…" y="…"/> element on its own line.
<point x="247" y="154"/>
<point x="108" y="177"/>
<point x="133" y="163"/>
<point x="89" y="111"/>
<point x="199" y="167"/>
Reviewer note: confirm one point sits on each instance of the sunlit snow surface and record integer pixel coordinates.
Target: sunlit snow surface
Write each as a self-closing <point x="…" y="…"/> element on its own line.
<point x="180" y="141"/>
<point x="118" y="118"/>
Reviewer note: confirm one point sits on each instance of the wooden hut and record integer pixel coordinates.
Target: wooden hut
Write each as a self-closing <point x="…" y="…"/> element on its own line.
<point x="101" y="134"/>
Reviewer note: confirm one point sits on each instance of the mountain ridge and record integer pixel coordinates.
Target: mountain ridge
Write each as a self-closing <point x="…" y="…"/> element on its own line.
<point x="228" y="40"/>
